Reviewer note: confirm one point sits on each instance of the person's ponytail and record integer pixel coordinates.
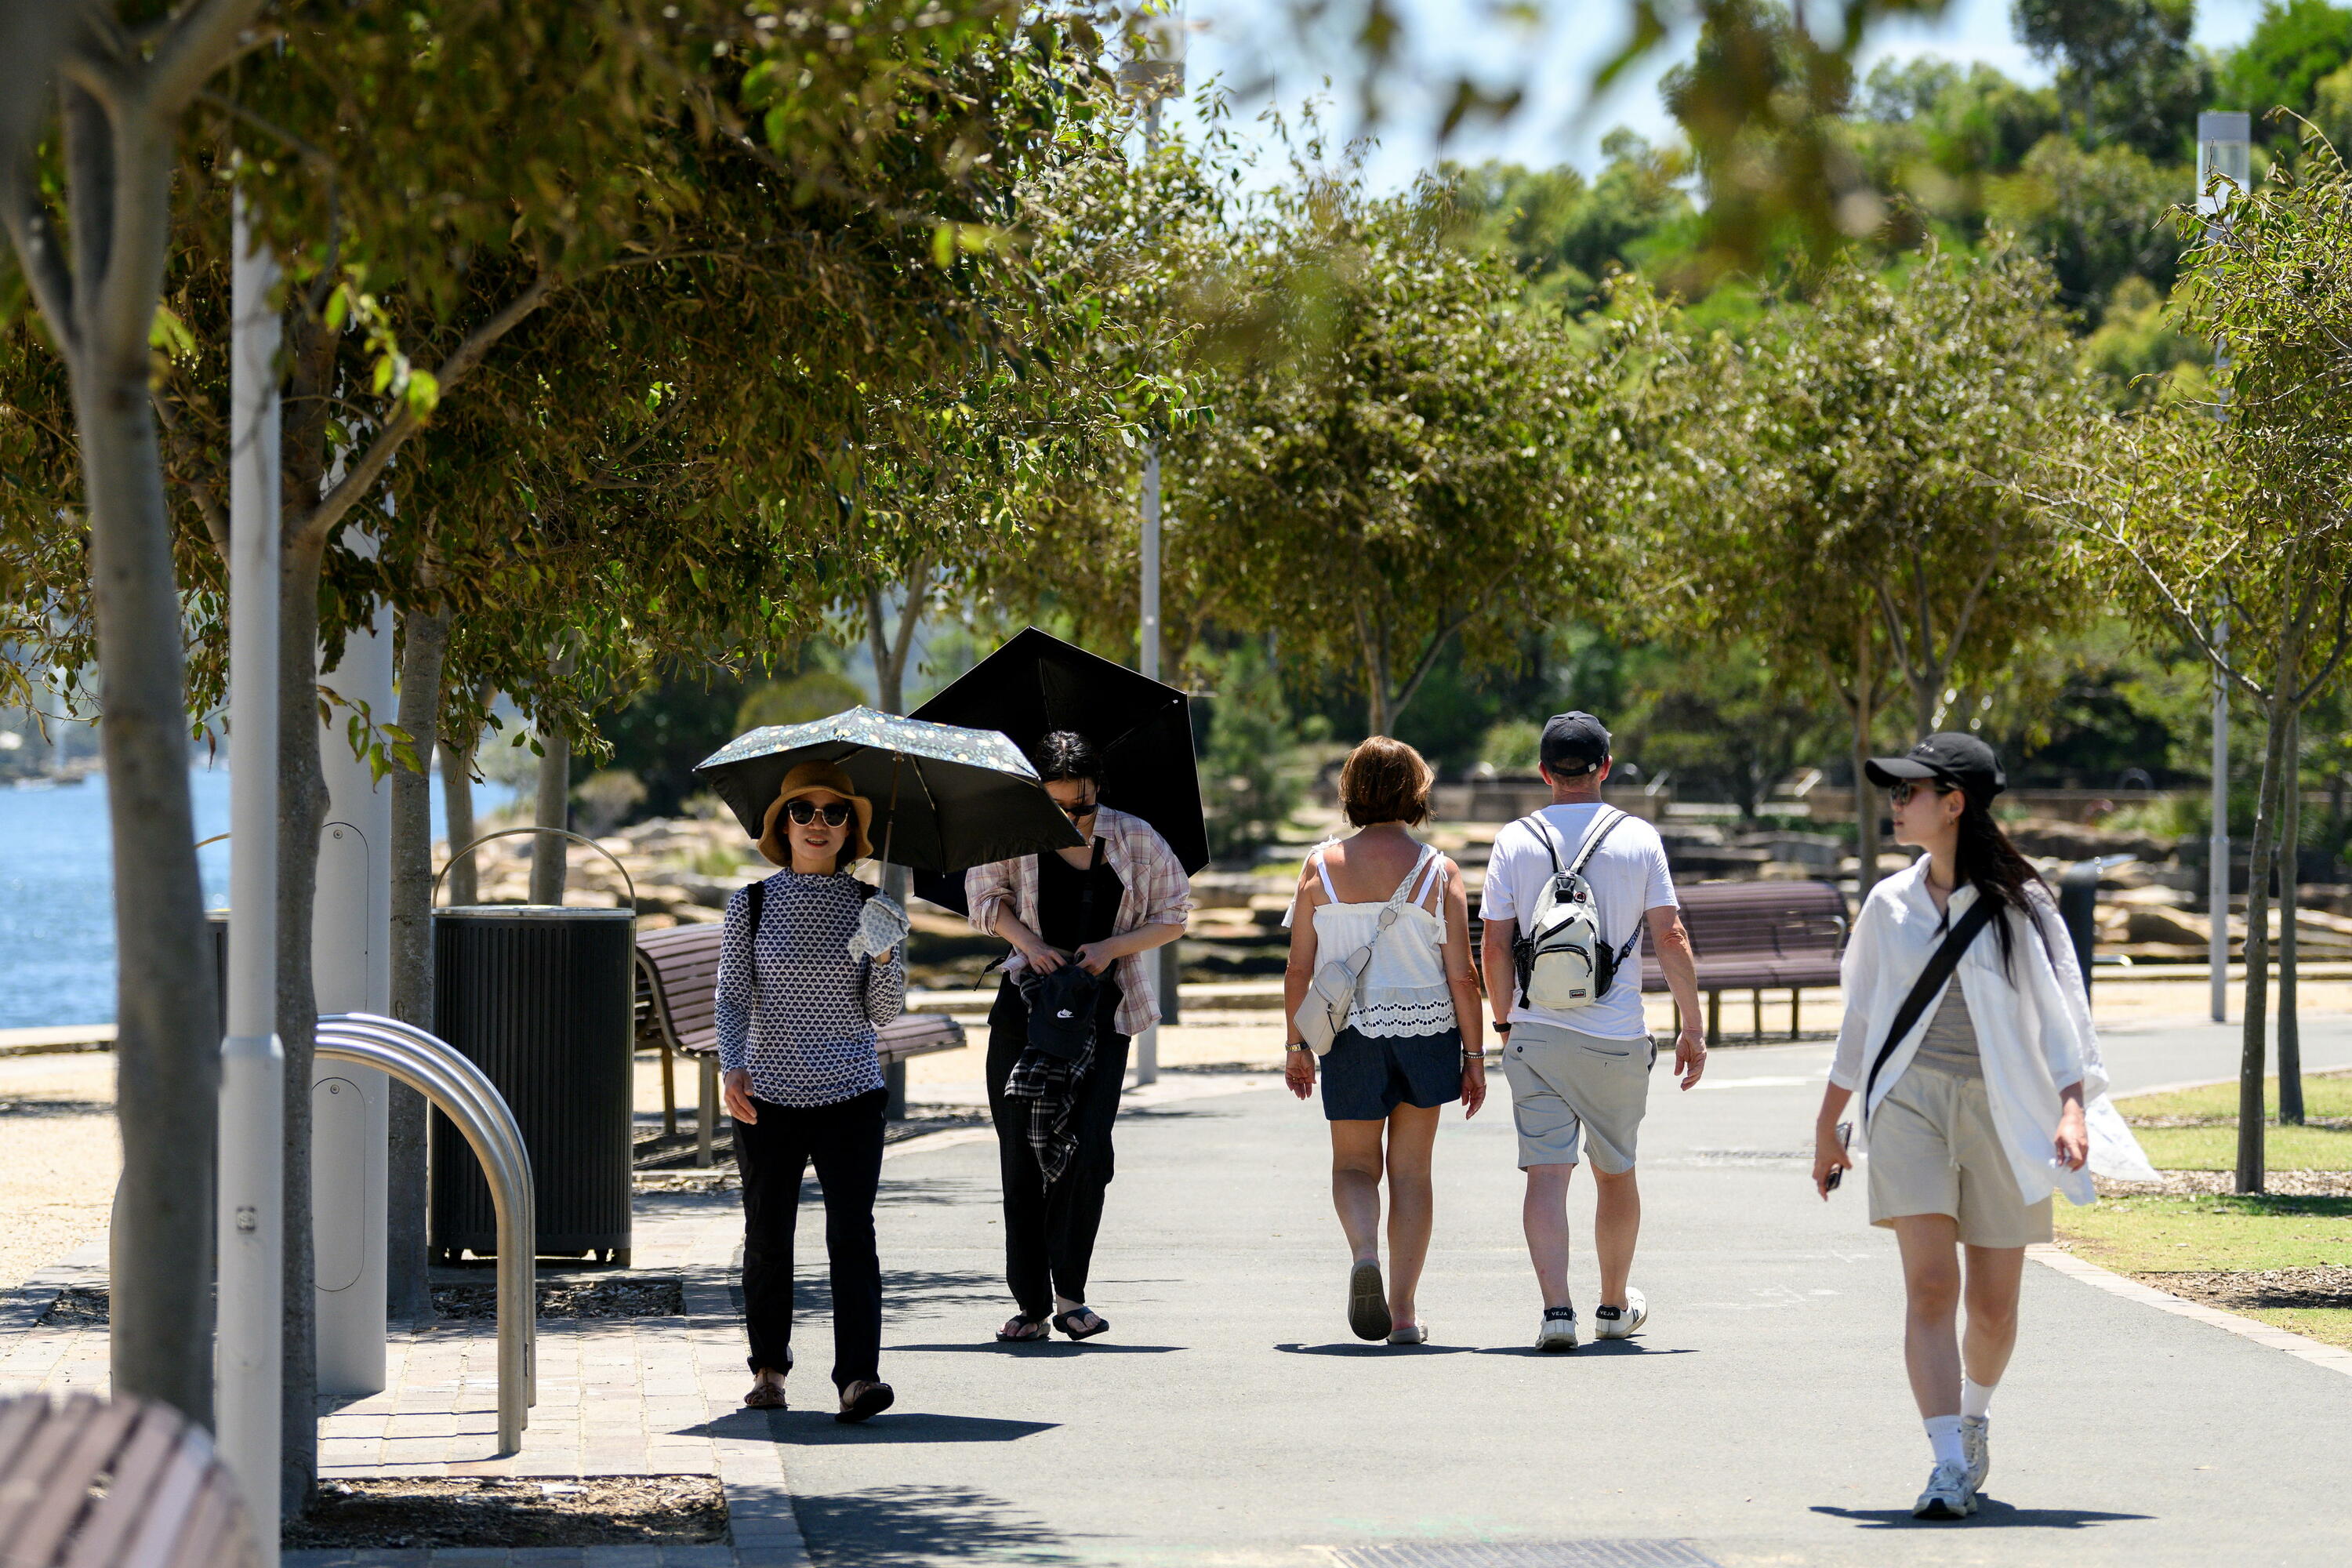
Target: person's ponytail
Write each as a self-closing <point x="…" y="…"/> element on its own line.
<point x="1985" y="858"/>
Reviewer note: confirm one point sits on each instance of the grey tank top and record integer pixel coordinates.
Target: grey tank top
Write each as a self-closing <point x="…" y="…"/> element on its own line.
<point x="1950" y="1043"/>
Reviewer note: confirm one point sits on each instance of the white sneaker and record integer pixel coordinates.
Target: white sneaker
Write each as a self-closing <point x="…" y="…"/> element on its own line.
<point x="1976" y="1443"/>
<point x="1558" y="1330"/>
<point x="1947" y="1495"/>
<point x="1618" y="1323"/>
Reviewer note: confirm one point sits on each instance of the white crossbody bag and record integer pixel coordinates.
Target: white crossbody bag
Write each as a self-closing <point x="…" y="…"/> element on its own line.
<point x="1331" y="994"/>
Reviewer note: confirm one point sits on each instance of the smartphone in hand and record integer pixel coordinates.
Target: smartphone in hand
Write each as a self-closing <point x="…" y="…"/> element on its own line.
<point x="1846" y="1142"/>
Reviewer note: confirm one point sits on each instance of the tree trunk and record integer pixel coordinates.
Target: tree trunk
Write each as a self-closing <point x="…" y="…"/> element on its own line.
<point x="549" y="850"/>
<point x="2290" y="1033"/>
<point x="890" y="657"/>
<point x="458" y="809"/>
<point x="167" y="1043"/>
<point x="424" y="652"/>
<point x="2252" y="1041"/>
<point x="301" y="817"/>
<point x="1865" y="801"/>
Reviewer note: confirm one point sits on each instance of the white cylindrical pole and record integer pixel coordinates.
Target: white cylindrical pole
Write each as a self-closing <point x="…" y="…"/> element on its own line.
<point x="253" y="1065"/>
<point x="1147" y="659"/>
<point x="2217" y="843"/>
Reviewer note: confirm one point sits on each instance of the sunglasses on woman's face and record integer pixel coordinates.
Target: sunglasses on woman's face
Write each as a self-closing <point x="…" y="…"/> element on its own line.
<point x="1901" y="792"/>
<point x="1074" y="810"/>
<point x="835" y="812"/>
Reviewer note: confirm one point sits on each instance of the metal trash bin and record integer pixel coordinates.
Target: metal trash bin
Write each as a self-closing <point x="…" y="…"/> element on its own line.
<point x="542" y="998"/>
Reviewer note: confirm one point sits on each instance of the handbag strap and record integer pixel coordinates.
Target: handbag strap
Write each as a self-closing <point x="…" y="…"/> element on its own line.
<point x="1940" y="965"/>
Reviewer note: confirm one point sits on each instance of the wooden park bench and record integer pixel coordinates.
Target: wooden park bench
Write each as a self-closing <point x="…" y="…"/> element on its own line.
<point x="678" y="1005"/>
<point x="114" y="1483"/>
<point x="1759" y="937"/>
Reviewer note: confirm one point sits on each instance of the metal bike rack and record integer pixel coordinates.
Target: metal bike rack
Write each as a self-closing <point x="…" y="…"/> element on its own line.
<point x="458" y="1089"/>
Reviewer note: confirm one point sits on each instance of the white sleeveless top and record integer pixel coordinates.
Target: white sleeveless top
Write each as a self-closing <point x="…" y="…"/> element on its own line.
<point x="1403" y="992"/>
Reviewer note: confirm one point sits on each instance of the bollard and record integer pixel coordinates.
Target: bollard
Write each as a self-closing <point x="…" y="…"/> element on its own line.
<point x="2078" y="906"/>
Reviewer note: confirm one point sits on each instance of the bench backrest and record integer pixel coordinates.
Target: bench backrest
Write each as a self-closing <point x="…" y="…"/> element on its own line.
<point x="1729" y="921"/>
<point x="114" y="1483"/>
<point x="678" y="1002"/>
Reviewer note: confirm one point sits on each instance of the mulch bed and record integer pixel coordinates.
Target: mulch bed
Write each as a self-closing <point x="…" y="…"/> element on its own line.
<point x="2327" y="1285"/>
<point x="614" y="1298"/>
<point x="77" y="1307"/>
<point x="410" y="1512"/>
<point x="2222" y="1183"/>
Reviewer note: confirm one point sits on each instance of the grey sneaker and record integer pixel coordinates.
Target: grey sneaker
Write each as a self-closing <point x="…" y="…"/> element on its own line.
<point x="1947" y="1495"/>
<point x="1977" y="1444"/>
<point x="1558" y="1330"/>
<point x="1620" y="1322"/>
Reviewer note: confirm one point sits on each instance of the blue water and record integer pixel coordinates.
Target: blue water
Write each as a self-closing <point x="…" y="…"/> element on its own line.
<point x="57" y="900"/>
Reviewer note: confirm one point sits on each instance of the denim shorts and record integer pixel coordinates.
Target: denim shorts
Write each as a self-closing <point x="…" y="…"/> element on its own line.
<point x="1365" y="1079"/>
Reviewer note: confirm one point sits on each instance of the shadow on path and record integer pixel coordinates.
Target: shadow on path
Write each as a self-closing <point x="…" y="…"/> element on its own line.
<point x="1595" y="1350"/>
<point x="1990" y="1515"/>
<point x="813" y="1425"/>
<point x="1371" y="1348"/>
<point x="913" y="1524"/>
<point x="1043" y="1348"/>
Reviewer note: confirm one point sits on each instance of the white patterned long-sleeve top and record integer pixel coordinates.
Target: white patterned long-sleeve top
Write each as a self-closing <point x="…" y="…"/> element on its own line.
<point x="793" y="1008"/>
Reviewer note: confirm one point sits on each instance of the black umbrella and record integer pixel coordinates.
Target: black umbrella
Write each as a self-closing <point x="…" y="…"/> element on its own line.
<point x="1037" y="683"/>
<point x="944" y="797"/>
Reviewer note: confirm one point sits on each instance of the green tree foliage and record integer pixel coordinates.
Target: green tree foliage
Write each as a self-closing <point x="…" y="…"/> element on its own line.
<point x="1393" y="448"/>
<point x="1565" y="233"/>
<point x="2098" y="217"/>
<point x="1247" y="786"/>
<point x="1725" y="723"/>
<point x="2295" y="51"/>
<point x="1856" y="454"/>
<point x="2187" y="516"/>
<point x="2125" y="69"/>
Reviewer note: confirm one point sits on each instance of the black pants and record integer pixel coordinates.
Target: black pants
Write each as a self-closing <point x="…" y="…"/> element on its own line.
<point x="1049" y="1232"/>
<point x="845" y="1141"/>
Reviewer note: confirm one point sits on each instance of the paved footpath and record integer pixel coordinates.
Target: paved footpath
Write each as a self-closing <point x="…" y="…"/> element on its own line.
<point x="1763" y="1417"/>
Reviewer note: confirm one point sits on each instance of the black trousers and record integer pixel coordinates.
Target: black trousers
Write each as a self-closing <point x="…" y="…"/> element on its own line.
<point x="1049" y="1232"/>
<point x="844" y="1142"/>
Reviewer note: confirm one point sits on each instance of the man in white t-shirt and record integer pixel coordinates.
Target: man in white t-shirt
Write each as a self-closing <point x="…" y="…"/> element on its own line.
<point x="1585" y="1076"/>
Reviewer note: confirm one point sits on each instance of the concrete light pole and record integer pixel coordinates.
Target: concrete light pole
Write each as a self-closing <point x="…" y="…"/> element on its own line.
<point x="1156" y="72"/>
<point x="2224" y="152"/>
<point x="252" y="1219"/>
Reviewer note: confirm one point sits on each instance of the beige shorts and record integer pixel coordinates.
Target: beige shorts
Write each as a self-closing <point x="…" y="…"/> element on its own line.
<point x="1934" y="1150"/>
<point x="1565" y="1084"/>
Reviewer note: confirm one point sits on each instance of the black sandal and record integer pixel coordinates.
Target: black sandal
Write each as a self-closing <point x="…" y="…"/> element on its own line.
<point x="1062" y="1322"/>
<point x="1032" y="1331"/>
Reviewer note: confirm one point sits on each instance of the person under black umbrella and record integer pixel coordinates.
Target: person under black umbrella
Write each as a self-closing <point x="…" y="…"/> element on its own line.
<point x="1076" y="991"/>
<point x="811" y="960"/>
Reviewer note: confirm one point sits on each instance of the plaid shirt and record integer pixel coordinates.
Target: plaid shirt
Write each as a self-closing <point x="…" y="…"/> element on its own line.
<point x="1157" y="893"/>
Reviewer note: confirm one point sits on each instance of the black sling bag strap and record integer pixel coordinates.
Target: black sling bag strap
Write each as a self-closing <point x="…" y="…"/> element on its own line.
<point x="1940" y="965"/>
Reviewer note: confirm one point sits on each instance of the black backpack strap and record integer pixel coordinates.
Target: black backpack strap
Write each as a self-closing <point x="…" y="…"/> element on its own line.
<point x="1940" y="965"/>
<point x="759" y="900"/>
<point x="1603" y="826"/>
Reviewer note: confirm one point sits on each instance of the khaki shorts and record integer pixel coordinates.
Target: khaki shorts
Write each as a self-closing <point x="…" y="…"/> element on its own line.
<point x="1564" y="1084"/>
<point x="1934" y="1150"/>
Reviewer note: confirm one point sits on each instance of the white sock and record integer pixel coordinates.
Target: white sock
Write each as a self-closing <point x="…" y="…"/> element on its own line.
<point x="1944" y="1436"/>
<point x="1976" y="1398"/>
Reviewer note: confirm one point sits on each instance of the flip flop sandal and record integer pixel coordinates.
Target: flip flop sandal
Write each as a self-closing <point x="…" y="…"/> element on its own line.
<point x="1368" y="1303"/>
<point x="1032" y="1331"/>
<point x="863" y="1399"/>
<point x="764" y="1397"/>
<point x="1409" y="1334"/>
<point x="1062" y="1322"/>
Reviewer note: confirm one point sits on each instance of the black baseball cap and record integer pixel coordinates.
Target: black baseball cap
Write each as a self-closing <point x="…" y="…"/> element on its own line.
<point x="1573" y="743"/>
<point x="1955" y="761"/>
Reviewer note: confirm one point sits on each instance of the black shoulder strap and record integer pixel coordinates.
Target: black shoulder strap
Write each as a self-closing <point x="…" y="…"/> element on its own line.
<point x="1599" y="828"/>
<point x="758" y="892"/>
<point x="1940" y="965"/>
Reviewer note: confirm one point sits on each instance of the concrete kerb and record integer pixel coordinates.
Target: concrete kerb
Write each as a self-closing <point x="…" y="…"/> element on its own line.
<point x="2333" y="1358"/>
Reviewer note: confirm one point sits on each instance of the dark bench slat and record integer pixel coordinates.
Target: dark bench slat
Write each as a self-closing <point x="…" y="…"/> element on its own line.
<point x="36" y="1537"/>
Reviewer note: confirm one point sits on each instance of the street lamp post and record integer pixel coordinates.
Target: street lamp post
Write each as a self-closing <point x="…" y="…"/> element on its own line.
<point x="2224" y="153"/>
<point x="1156" y="72"/>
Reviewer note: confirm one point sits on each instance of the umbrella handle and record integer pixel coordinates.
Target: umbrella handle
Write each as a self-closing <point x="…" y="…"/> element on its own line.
<point x="627" y="881"/>
<point x="890" y="824"/>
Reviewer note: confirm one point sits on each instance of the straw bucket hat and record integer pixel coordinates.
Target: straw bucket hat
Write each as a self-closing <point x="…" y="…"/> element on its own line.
<point x="807" y="779"/>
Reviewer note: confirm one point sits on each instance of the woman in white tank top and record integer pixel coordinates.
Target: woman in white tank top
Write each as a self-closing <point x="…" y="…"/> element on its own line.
<point x="1411" y="1045"/>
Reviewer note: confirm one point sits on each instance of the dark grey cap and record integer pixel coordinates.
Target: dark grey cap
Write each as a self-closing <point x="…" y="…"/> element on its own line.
<point x="1573" y="743"/>
<point x="1952" y="760"/>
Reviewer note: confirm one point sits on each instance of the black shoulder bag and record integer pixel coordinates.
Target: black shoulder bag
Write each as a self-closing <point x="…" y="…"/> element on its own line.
<point x="1062" y="1004"/>
<point x="1940" y="965"/>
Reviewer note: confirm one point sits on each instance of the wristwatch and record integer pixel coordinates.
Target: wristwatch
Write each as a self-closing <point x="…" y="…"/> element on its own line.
<point x="1295" y="1045"/>
<point x="1502" y="1028"/>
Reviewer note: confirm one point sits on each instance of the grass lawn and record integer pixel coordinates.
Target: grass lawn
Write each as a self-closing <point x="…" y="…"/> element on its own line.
<point x="2151" y="1237"/>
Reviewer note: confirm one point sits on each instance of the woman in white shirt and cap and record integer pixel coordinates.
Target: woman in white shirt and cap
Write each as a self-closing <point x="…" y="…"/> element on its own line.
<point x="1974" y="1096"/>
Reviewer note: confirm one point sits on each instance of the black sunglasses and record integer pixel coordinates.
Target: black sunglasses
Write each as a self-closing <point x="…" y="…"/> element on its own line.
<point x="835" y="812"/>
<point x="1083" y="808"/>
<point x="1904" y="789"/>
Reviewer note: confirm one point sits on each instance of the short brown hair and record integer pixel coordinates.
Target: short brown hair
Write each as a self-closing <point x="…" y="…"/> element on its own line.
<point x="1384" y="780"/>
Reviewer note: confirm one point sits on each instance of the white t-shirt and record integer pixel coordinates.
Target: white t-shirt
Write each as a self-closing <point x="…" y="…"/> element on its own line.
<point x="1629" y="877"/>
